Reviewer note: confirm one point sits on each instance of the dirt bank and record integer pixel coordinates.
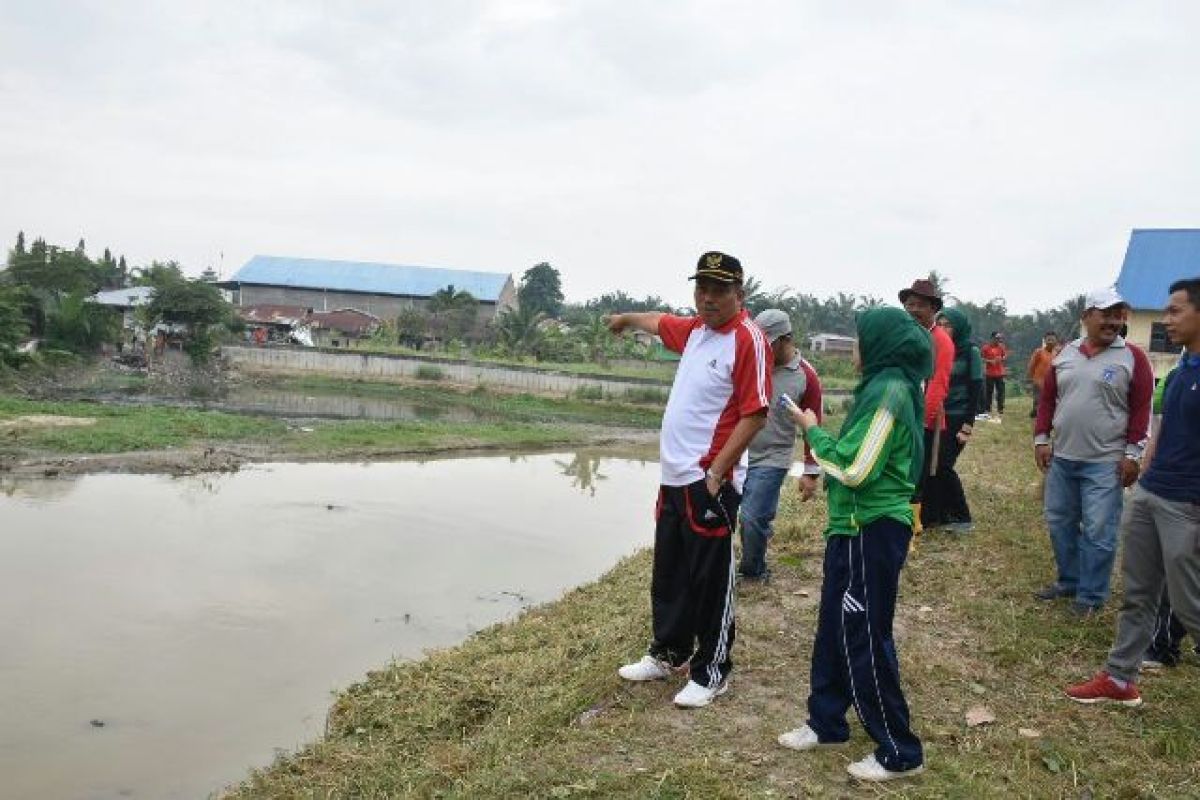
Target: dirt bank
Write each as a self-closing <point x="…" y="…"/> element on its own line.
<point x="226" y="457"/>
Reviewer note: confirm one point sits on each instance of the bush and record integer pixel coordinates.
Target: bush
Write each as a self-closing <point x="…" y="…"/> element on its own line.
<point x="647" y="395"/>
<point x="589" y="393"/>
<point x="53" y="357"/>
<point x="428" y="372"/>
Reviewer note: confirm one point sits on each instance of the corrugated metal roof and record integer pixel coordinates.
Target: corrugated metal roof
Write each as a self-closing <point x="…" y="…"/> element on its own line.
<point x="1156" y="258"/>
<point x="369" y="277"/>
<point x="124" y="298"/>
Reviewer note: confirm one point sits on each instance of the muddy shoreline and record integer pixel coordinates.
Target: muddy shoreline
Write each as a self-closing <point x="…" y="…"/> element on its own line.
<point x="229" y="458"/>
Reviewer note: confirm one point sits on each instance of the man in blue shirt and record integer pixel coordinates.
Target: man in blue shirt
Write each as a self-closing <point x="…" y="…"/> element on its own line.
<point x="1161" y="525"/>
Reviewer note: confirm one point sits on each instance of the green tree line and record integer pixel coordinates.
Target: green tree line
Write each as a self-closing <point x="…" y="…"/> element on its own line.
<point x="44" y="291"/>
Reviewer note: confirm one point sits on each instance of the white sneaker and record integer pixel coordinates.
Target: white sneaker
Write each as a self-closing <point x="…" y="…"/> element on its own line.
<point x="696" y="696"/>
<point x="648" y="669"/>
<point x="803" y="738"/>
<point x="871" y="770"/>
<point x="983" y="415"/>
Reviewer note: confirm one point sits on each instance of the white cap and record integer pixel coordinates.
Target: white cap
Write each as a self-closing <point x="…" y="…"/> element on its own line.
<point x="1104" y="298"/>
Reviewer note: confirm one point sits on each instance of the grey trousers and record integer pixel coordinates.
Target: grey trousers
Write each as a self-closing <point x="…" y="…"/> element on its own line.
<point x="1162" y="546"/>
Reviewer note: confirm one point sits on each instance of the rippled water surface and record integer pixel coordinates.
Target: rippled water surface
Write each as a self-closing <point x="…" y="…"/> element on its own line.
<point x="160" y="636"/>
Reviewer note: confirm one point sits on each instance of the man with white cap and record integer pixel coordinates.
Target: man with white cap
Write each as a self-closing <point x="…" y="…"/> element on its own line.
<point x="1092" y="424"/>
<point x="773" y="450"/>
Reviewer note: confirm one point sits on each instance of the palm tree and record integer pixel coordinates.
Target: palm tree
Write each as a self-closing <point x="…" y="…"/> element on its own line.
<point x="754" y="300"/>
<point x="595" y="336"/>
<point x="517" y="329"/>
<point x="453" y="311"/>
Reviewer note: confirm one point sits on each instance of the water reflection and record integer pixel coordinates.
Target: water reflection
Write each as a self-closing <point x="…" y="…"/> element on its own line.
<point x="284" y="403"/>
<point x="584" y="472"/>
<point x="203" y="620"/>
<point x="37" y="488"/>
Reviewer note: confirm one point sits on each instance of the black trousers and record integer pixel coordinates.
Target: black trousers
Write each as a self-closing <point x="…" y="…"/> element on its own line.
<point x="923" y="478"/>
<point x="854" y="657"/>
<point x="995" y="388"/>
<point x="1168" y="634"/>
<point x="944" y="499"/>
<point x="691" y="591"/>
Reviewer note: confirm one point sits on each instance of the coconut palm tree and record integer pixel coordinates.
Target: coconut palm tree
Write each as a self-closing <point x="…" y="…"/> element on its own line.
<point x="517" y="330"/>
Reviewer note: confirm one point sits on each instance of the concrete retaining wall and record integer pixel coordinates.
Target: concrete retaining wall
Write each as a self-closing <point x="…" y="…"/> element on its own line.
<point x="384" y="366"/>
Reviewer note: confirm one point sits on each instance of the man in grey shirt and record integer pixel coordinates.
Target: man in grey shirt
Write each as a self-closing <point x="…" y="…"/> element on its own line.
<point x="773" y="450"/>
<point x="1093" y="420"/>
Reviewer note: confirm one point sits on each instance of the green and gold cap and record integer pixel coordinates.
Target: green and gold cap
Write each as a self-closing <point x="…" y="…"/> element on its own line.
<point x="718" y="266"/>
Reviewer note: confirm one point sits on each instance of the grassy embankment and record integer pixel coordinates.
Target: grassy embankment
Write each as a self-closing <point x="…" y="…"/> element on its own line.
<point x="534" y="708"/>
<point x="504" y="420"/>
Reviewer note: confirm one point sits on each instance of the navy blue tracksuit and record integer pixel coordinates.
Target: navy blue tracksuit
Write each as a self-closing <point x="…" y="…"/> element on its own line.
<point x="854" y="658"/>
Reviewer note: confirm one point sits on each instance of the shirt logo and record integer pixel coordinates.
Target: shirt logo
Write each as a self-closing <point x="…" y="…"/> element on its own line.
<point x="1109" y="375"/>
<point x="712" y="364"/>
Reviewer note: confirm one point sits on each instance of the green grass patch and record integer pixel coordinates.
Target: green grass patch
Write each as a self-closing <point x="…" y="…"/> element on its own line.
<point x="121" y="429"/>
<point x="428" y="372"/>
<point x="514" y="421"/>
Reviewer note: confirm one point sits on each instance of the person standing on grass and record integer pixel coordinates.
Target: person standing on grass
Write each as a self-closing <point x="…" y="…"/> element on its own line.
<point x="923" y="301"/>
<point x="945" y="502"/>
<point x="871" y="468"/>
<point x="994" y="353"/>
<point x="1161" y="526"/>
<point x="717" y="405"/>
<point x="1039" y="365"/>
<point x="773" y="449"/>
<point x="1165" y="648"/>
<point x="1096" y="404"/>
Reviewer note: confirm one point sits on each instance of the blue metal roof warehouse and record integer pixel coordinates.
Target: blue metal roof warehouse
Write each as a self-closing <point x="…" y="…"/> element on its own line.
<point x="368" y="277"/>
<point x="1156" y="258"/>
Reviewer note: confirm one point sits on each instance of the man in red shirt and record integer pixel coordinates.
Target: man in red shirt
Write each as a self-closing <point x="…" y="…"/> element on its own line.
<point x="922" y="301"/>
<point x="994" y="353"/>
<point x="718" y="404"/>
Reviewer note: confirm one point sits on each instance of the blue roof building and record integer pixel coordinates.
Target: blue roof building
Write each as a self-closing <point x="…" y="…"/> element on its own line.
<point x="383" y="290"/>
<point x="1156" y="258"/>
<point x="368" y="277"/>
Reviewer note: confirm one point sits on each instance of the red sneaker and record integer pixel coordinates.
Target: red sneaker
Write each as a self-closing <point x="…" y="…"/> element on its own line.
<point x="1101" y="688"/>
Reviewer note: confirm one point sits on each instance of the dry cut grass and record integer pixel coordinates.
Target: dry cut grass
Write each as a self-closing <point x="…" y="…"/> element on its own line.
<point x="534" y="708"/>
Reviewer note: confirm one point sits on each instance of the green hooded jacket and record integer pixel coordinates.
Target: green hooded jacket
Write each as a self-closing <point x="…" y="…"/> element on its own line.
<point x="968" y="364"/>
<point x="872" y="466"/>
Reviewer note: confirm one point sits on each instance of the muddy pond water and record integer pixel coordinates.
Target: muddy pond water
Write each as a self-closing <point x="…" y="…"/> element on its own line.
<point x="160" y="636"/>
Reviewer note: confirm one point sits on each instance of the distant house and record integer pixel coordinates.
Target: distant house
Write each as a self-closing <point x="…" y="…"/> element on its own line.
<point x="380" y="290"/>
<point x="335" y="328"/>
<point x="832" y="343"/>
<point x="1154" y="259"/>
<point x="126" y="301"/>
<point x="321" y="328"/>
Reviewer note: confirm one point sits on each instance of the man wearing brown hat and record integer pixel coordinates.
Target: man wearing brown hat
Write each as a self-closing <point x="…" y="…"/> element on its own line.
<point x="718" y="403"/>
<point x="923" y="301"/>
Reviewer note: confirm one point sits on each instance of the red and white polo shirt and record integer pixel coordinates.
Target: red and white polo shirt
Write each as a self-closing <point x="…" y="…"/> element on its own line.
<point x="724" y="375"/>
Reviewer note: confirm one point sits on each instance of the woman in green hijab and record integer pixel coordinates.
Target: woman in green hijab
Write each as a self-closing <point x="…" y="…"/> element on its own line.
<point x="871" y="468"/>
<point x="945" y="503"/>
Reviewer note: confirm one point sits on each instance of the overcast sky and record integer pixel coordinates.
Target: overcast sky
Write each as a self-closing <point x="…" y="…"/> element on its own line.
<point x="832" y="146"/>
